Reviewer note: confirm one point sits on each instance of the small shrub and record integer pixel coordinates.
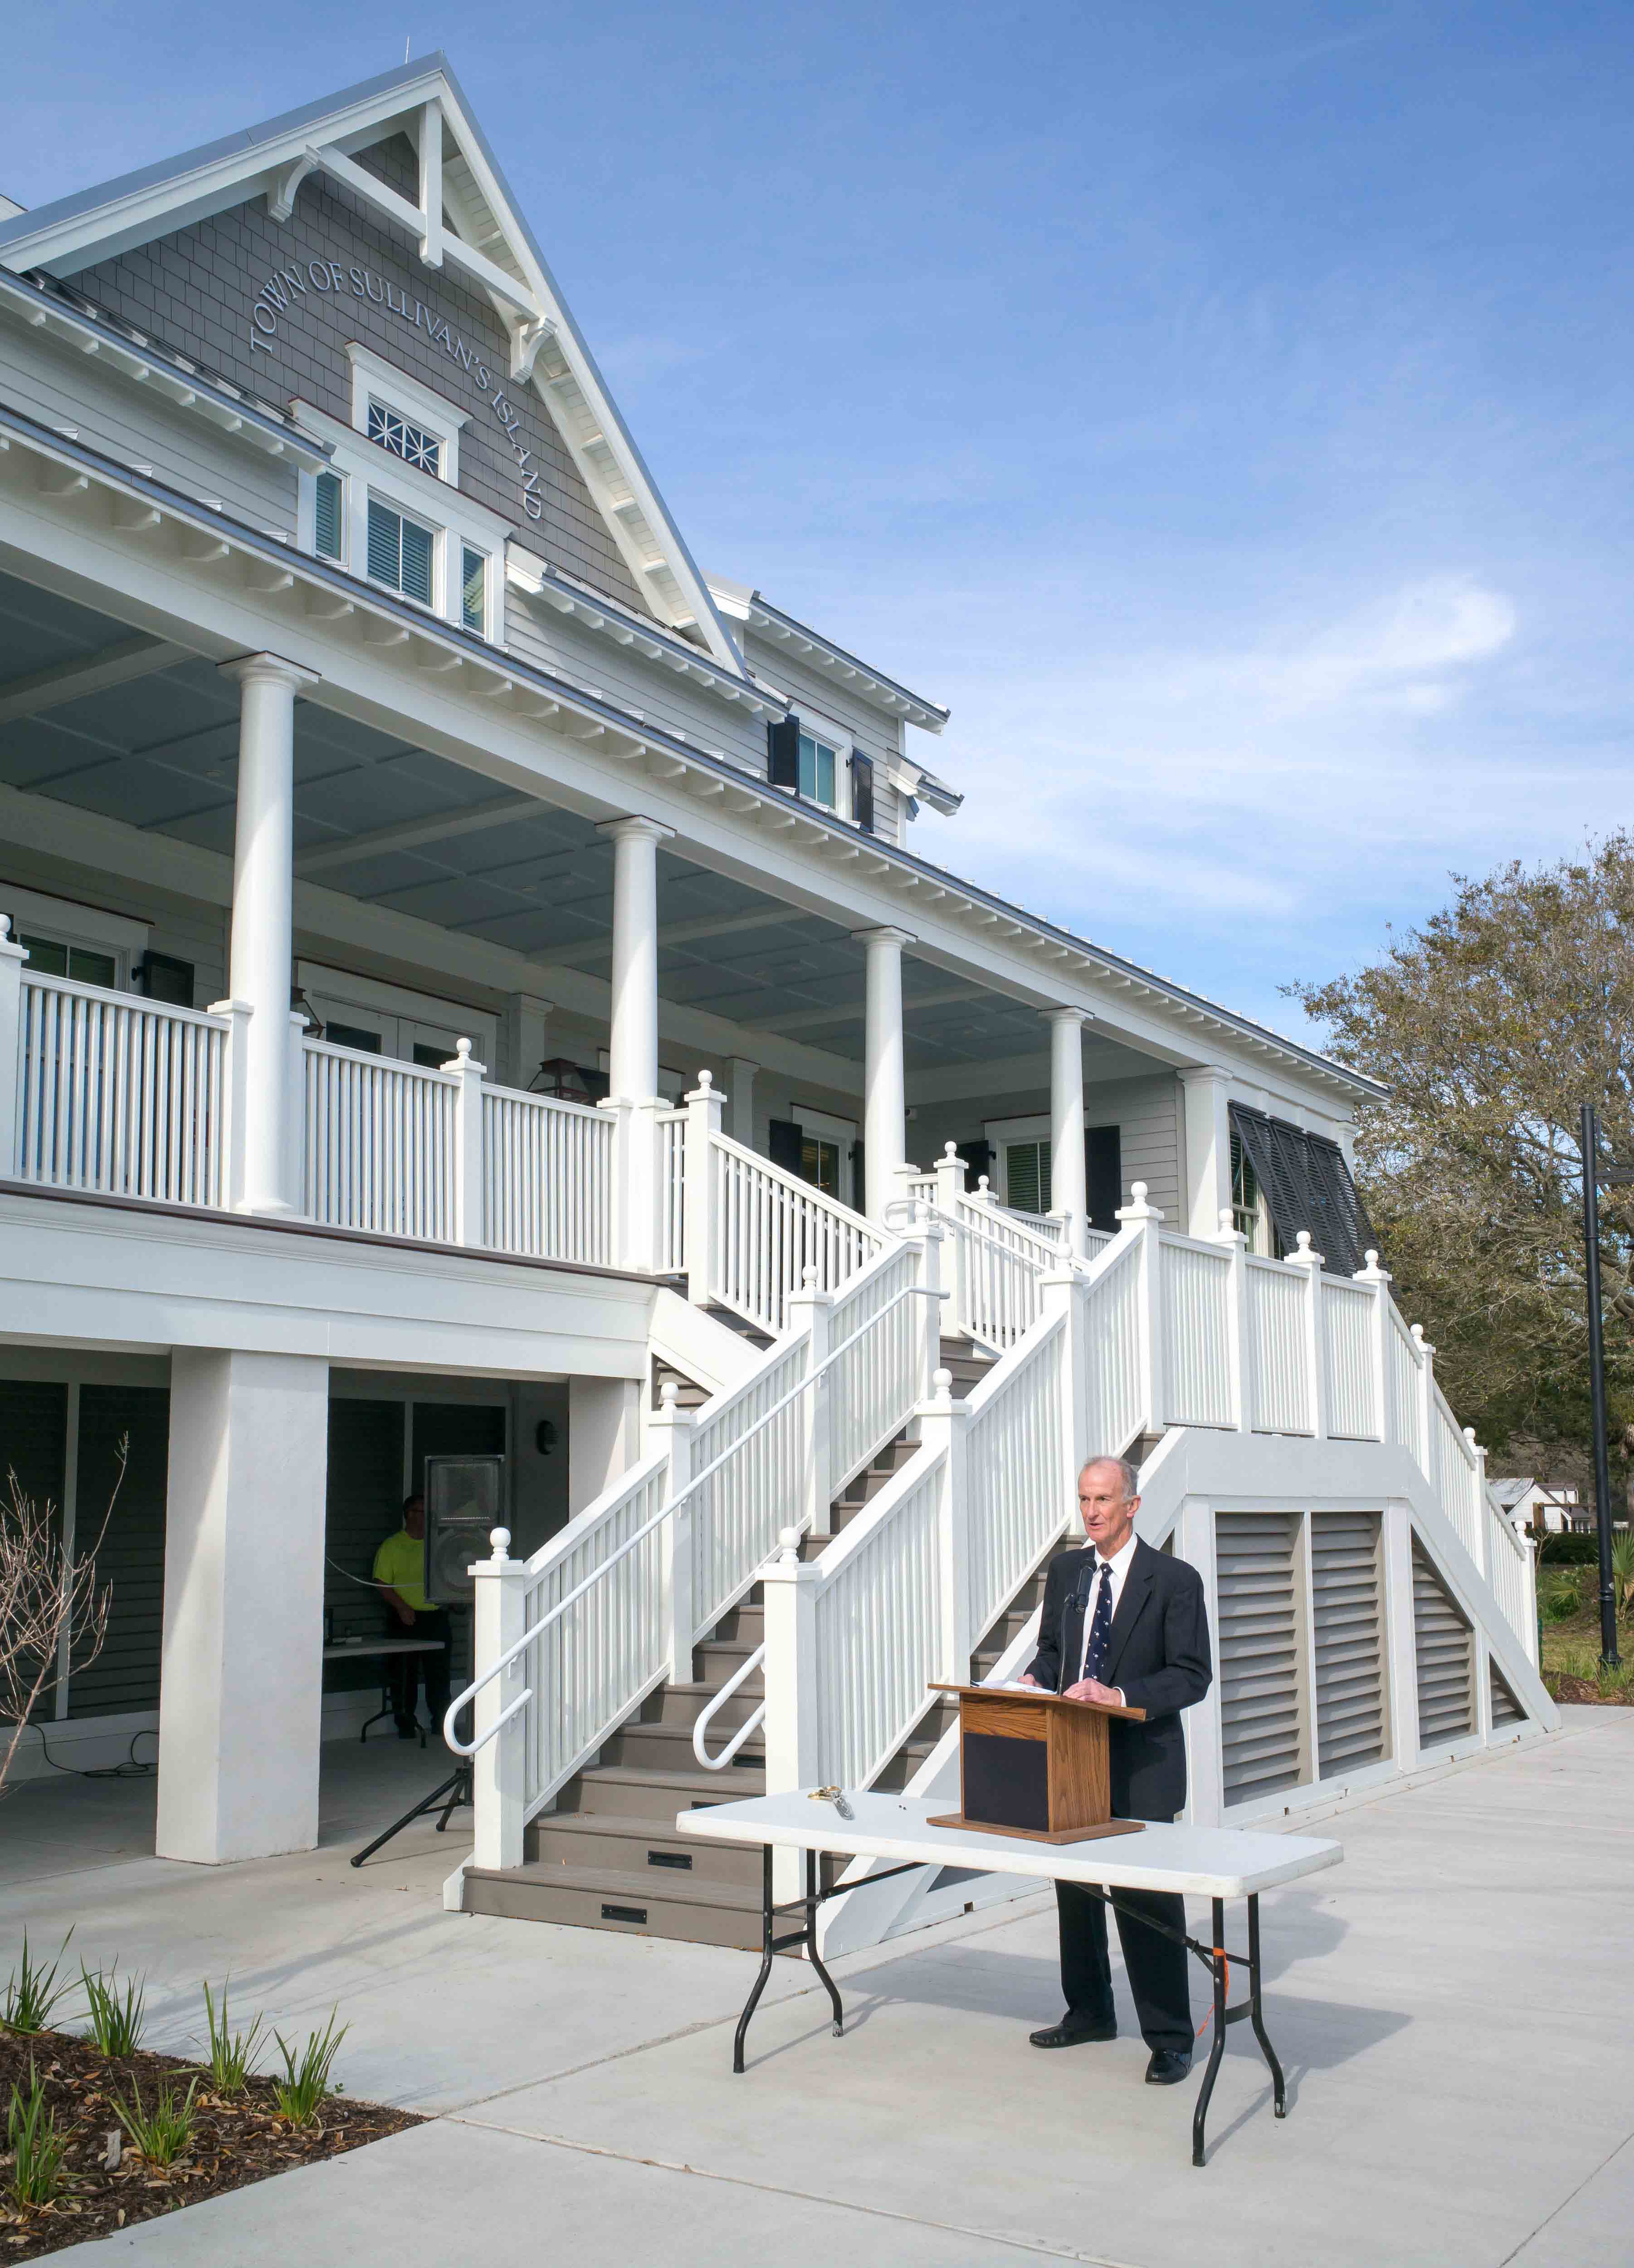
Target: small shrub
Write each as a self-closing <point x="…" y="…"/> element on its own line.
<point x="1560" y="1603"/>
<point x="162" y="2133"/>
<point x="1568" y="1547"/>
<point x="306" y="2082"/>
<point x="1622" y="1565"/>
<point x="232" y="2056"/>
<point x="31" y="1992"/>
<point x="36" y="2144"/>
<point x="116" y="2020"/>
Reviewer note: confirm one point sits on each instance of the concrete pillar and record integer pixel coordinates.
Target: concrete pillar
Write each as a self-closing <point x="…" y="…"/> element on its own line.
<point x="1207" y="1149"/>
<point x="633" y="1041"/>
<point x="240" y="1694"/>
<point x="603" y="1436"/>
<point x="263" y="930"/>
<point x="740" y="1099"/>
<point x="885" y="1107"/>
<point x="12" y="956"/>
<point x="1069" y="1183"/>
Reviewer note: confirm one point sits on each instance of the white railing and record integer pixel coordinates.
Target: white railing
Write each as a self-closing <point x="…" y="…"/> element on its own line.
<point x="1046" y="1227"/>
<point x="877" y="1638"/>
<point x="1016" y="1453"/>
<point x="1348" y="1336"/>
<point x="711" y="1708"/>
<point x="751" y="1445"/>
<point x="672" y="1192"/>
<point x="1283" y="1385"/>
<point x="1457" y="1475"/>
<point x="379" y="1143"/>
<point x="1511" y="1573"/>
<point x="768" y="1228"/>
<point x="546" y="1178"/>
<point x="119" y="1095"/>
<point x="1404" y="1363"/>
<point x="996" y="1265"/>
<point x="873" y="1385"/>
<point x="1196" y="1293"/>
<point x="1114" y="1397"/>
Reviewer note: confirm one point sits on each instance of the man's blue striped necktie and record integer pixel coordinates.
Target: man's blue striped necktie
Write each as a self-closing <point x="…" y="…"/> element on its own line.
<point x="1101" y="1623"/>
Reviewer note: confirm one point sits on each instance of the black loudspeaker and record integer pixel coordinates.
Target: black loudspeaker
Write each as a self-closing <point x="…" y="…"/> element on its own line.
<point x="464" y="1498"/>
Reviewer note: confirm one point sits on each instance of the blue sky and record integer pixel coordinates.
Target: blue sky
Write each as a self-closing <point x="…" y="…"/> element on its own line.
<point x="1226" y="409"/>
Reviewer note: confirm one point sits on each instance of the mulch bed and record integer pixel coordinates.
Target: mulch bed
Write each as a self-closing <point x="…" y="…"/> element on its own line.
<point x="1580" y="1690"/>
<point x="234" y="2141"/>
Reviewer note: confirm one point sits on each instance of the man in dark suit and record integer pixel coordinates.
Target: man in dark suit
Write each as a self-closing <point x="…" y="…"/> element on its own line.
<point x="1125" y="1624"/>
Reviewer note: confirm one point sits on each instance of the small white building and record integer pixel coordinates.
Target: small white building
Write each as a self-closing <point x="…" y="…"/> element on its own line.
<point x="468" y="966"/>
<point x="1532" y="1503"/>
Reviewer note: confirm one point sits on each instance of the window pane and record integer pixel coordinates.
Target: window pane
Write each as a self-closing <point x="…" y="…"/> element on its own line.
<point x="824" y="790"/>
<point x="412" y="443"/>
<point x="384" y="545"/>
<point x="352" y="1036"/>
<point x="328" y="527"/>
<point x="1027" y="1175"/>
<point x="820" y="1164"/>
<point x="417" y="563"/>
<point x="808" y="765"/>
<point x="46" y="956"/>
<point x="88" y="968"/>
<point x="430" y="1058"/>
<point x="474" y="591"/>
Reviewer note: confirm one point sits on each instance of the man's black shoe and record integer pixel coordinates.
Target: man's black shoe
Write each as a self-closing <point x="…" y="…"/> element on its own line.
<point x="406" y="1729"/>
<point x="1168" y="2066"/>
<point x="1069" y="2034"/>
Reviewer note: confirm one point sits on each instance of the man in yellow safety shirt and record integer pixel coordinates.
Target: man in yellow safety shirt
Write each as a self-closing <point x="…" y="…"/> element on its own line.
<point x="400" y="1571"/>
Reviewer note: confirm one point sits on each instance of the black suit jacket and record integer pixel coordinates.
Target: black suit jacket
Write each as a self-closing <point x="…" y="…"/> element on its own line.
<point x="1158" y="1656"/>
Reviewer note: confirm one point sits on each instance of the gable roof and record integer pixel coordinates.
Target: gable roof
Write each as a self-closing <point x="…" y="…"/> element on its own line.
<point x="465" y="217"/>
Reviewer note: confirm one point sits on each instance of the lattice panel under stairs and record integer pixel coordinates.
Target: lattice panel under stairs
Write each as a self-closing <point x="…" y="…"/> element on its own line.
<point x="1505" y="1709"/>
<point x="1263" y="1699"/>
<point x="1444" y="1648"/>
<point x="1347" y="1605"/>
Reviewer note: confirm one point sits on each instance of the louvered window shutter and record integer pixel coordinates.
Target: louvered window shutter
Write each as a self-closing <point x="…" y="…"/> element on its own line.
<point x="862" y="790"/>
<point x="326" y="537"/>
<point x="1443" y="1652"/>
<point x="783" y="1144"/>
<point x="417" y="563"/>
<point x="782" y="752"/>
<point x="1262" y="1700"/>
<point x="1103" y="1175"/>
<point x="1505" y="1709"/>
<point x="1348" y="1607"/>
<point x="1307" y="1184"/>
<point x="384" y="545"/>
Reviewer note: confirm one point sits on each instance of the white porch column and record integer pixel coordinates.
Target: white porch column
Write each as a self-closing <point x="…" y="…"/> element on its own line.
<point x="263" y="925"/>
<point x="12" y="959"/>
<point x="1069" y="1183"/>
<point x="240" y="1694"/>
<point x="633" y="1037"/>
<point x="885" y="1107"/>
<point x="1207" y="1149"/>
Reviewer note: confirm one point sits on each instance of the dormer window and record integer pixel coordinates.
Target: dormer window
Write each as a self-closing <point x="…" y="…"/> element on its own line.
<point x="819" y="766"/>
<point x="410" y="442"/>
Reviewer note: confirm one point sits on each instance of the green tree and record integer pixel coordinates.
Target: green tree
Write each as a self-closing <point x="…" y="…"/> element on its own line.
<point x="1491" y="1025"/>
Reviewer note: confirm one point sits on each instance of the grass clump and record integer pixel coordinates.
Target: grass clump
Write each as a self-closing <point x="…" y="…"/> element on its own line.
<point x="305" y="2081"/>
<point x="162" y="2133"/>
<point x="36" y="2147"/>
<point x="117" y="2019"/>
<point x="232" y="2057"/>
<point x="31" y="1992"/>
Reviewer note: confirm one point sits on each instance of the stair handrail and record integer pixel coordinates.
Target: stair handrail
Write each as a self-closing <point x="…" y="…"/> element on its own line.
<point x="465" y="1698"/>
<point x="750" y="1724"/>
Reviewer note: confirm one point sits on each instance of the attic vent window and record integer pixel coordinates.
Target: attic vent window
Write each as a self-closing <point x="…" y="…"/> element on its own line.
<point x="412" y="443"/>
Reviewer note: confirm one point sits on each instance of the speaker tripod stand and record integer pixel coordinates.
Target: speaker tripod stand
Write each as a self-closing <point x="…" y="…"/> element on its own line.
<point x="448" y="1797"/>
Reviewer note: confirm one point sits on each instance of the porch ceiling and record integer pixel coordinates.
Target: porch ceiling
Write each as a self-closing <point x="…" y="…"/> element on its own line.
<point x="140" y="733"/>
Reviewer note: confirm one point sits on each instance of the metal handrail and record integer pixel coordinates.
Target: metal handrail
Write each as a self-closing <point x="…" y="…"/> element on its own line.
<point x="463" y="1700"/>
<point x="751" y="1724"/>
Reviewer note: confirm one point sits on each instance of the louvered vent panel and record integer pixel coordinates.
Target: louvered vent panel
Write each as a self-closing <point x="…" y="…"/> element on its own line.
<point x="1505" y="1709"/>
<point x="1444" y="1646"/>
<point x="1348" y="1602"/>
<point x="1262" y="1703"/>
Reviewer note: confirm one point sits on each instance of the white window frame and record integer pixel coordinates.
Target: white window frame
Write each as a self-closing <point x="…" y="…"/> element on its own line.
<point x="374" y="379"/>
<point x="376" y="494"/>
<point x="816" y="727"/>
<point x="92" y="928"/>
<point x="842" y="1132"/>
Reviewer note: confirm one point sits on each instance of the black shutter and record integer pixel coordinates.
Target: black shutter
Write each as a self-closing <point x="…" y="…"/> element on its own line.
<point x="978" y="1157"/>
<point x="1103" y="1175"/>
<point x="859" y="1180"/>
<point x="862" y="790"/>
<point x="162" y="977"/>
<point x="782" y="1145"/>
<point x="782" y="752"/>
<point x="1307" y="1185"/>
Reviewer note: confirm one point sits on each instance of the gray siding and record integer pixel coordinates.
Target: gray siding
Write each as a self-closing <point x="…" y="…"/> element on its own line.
<point x="193" y="290"/>
<point x="185" y="928"/>
<point x="874" y="731"/>
<point x="63" y="388"/>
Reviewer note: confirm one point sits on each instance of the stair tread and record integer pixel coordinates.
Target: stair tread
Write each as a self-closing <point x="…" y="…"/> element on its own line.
<point x="685" y="1783"/>
<point x="639" y="1890"/>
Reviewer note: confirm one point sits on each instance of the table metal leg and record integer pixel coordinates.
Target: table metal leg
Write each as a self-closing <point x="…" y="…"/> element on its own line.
<point x="768" y="1922"/>
<point x="1256" y="2008"/>
<point x="1218" y="1964"/>
<point x="812" y="1903"/>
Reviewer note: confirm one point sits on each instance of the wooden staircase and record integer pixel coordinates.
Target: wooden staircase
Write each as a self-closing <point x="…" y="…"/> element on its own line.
<point x="607" y="1857"/>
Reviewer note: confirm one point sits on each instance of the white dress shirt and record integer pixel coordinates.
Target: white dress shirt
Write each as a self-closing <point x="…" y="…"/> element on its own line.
<point x="1118" y="1566"/>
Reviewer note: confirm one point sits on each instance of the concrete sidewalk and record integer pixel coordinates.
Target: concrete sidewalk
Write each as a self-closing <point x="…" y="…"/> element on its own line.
<point x="1450" y="2006"/>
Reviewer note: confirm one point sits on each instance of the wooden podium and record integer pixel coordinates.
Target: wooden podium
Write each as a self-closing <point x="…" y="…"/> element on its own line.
<point x="1033" y="1764"/>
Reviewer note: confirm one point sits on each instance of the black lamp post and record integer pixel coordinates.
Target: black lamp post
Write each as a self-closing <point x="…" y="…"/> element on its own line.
<point x="1592" y="1173"/>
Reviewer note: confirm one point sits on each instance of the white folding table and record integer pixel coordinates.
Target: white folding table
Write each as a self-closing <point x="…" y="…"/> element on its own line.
<point x="1217" y="1863"/>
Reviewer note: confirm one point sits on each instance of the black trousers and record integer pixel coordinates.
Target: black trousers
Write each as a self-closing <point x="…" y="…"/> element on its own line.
<point x="408" y="1669"/>
<point x="1156" y="1966"/>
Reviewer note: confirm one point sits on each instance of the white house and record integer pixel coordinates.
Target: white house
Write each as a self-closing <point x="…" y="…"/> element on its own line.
<point x="1532" y="1503"/>
<point x="470" y="969"/>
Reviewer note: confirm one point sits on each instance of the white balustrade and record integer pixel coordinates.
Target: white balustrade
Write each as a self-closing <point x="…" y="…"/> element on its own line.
<point x="379" y="1143"/>
<point x="1456" y="1477"/>
<point x="1196" y="1297"/>
<point x="1352" y="1391"/>
<point x="1114" y="1389"/>
<point x="119" y="1095"/>
<point x="768" y="1227"/>
<point x="1015" y="1469"/>
<point x="759" y="1450"/>
<point x="672" y="1191"/>
<point x="546" y="1178"/>
<point x="872" y="1385"/>
<point x="877" y="1627"/>
<point x="1513" y="1574"/>
<point x="1404" y="1362"/>
<point x="1277" y="1331"/>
